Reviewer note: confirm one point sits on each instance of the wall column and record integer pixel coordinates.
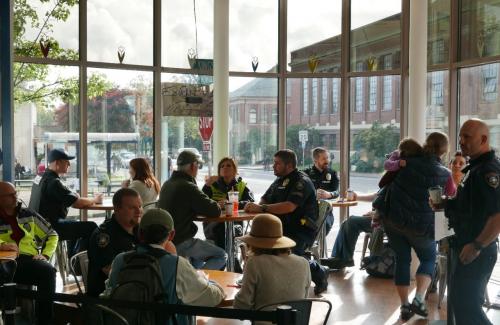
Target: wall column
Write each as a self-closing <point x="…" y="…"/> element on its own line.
<point x="221" y="80"/>
<point x="417" y="70"/>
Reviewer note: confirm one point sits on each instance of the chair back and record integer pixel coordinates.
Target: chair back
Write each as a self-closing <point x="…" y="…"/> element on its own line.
<point x="81" y="261"/>
<point x="303" y="306"/>
<point x="150" y="205"/>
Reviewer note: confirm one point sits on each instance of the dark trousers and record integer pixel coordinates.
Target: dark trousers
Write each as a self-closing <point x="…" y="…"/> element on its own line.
<point x="468" y="286"/>
<point x="41" y="274"/>
<point x="329" y="220"/>
<point x="77" y="233"/>
<point x="349" y="231"/>
<point x="318" y="273"/>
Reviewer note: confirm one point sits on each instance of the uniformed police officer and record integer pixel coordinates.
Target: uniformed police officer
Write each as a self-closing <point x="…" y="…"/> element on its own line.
<point x="474" y="214"/>
<point x="116" y="235"/>
<point x="325" y="180"/>
<point x="51" y="197"/>
<point x="292" y="198"/>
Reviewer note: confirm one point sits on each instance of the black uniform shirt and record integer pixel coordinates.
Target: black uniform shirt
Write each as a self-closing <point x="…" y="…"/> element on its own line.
<point x="478" y="198"/>
<point x="326" y="180"/>
<point x="106" y="242"/>
<point x="297" y="188"/>
<point x="55" y="198"/>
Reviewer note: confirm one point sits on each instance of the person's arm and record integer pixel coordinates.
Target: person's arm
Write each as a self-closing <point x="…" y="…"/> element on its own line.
<point x="245" y="298"/>
<point x="489" y="233"/>
<point x="207" y="190"/>
<point x="366" y="197"/>
<point x="202" y="204"/>
<point x="246" y="198"/>
<point x="275" y="208"/>
<point x="194" y="289"/>
<point x="44" y="230"/>
<point x="84" y="202"/>
<point x="450" y="189"/>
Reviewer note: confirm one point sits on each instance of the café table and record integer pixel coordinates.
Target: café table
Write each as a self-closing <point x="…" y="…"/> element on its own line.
<point x="342" y="203"/>
<point x="8" y="255"/>
<point x="228" y="282"/>
<point x="229" y="223"/>
<point x="106" y="205"/>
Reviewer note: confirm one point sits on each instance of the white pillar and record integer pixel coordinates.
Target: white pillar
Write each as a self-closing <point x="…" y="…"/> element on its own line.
<point x="221" y="80"/>
<point x="417" y="70"/>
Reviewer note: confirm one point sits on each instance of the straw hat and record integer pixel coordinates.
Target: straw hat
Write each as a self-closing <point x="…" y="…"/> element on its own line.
<point x="267" y="232"/>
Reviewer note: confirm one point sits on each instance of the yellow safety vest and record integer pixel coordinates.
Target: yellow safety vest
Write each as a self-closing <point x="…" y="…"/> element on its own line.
<point x="218" y="195"/>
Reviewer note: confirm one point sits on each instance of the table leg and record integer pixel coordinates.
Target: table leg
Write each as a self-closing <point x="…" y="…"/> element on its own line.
<point x="230" y="245"/>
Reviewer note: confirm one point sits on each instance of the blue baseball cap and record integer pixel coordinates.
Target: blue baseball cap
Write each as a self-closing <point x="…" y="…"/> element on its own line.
<point x="59" y="154"/>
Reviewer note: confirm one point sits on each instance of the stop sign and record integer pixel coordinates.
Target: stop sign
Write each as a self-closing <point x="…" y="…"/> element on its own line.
<point x="206" y="126"/>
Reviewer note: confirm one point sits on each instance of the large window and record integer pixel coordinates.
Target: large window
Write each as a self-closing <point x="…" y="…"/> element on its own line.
<point x="314" y="96"/>
<point x="305" y="97"/>
<point x="335" y="95"/>
<point x="438" y="31"/>
<point x="324" y="96"/>
<point x="373" y="94"/>
<point x="436" y="114"/>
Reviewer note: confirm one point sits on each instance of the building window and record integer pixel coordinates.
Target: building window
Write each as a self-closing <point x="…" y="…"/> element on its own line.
<point x="263" y="115"/>
<point x="324" y="96"/>
<point x="490" y="81"/>
<point x="438" y="51"/>
<point x="335" y="95"/>
<point x="358" y="93"/>
<point x="305" y="93"/>
<point x="252" y="116"/>
<point x="315" y="96"/>
<point x="373" y="94"/>
<point x="387" y="93"/>
<point x="437" y="88"/>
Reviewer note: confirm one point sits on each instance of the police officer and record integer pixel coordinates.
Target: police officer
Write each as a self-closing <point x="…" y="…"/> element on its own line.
<point x="51" y="197"/>
<point x="474" y="214"/>
<point x="325" y="180"/>
<point x="116" y="235"/>
<point x="292" y="198"/>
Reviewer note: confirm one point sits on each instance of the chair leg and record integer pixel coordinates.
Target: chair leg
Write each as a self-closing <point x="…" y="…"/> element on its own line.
<point x="442" y="278"/>
<point x="62" y="260"/>
<point x="365" y="246"/>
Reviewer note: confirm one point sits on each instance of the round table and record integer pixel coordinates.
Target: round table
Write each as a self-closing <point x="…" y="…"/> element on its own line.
<point x="8" y="255"/>
<point x="106" y="205"/>
<point x="227" y="280"/>
<point x="343" y="203"/>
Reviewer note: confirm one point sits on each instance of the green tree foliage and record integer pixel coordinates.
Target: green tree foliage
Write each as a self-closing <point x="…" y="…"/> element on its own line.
<point x="293" y="143"/>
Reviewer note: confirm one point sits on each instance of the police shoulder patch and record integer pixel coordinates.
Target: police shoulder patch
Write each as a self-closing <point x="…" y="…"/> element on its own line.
<point x="103" y="240"/>
<point x="492" y="179"/>
<point x="328" y="176"/>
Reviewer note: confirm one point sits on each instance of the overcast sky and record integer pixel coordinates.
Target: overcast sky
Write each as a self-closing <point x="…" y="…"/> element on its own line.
<point x="253" y="29"/>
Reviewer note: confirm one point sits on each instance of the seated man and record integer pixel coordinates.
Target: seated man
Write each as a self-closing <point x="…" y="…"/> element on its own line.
<point x="116" y="235"/>
<point x="292" y="198"/>
<point x="182" y="198"/>
<point x="345" y="243"/>
<point x="181" y="282"/>
<point x="51" y="198"/>
<point x="33" y="238"/>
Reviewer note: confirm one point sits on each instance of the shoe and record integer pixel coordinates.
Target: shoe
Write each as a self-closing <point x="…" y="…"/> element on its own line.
<point x="405" y="312"/>
<point x="336" y="263"/>
<point x="322" y="286"/>
<point x="419" y="308"/>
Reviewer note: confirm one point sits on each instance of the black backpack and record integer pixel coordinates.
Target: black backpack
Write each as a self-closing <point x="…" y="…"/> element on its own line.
<point x="381" y="264"/>
<point x="140" y="279"/>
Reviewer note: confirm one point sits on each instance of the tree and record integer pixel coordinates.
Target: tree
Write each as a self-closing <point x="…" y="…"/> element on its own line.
<point x="293" y="143"/>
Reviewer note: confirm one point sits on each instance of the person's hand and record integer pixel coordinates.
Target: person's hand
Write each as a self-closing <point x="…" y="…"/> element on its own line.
<point x="439" y="206"/>
<point x="40" y="257"/>
<point x="126" y="183"/>
<point x="9" y="247"/>
<point x="322" y="194"/>
<point x="402" y="163"/>
<point x="222" y="204"/>
<point x="98" y="198"/>
<point x="209" y="180"/>
<point x="468" y="254"/>
<point x="251" y="207"/>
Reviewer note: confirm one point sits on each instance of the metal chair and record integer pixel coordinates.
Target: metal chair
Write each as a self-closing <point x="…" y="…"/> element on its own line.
<point x="303" y="306"/>
<point x="82" y="259"/>
<point x="62" y="260"/>
<point x="149" y="205"/>
<point x="319" y="247"/>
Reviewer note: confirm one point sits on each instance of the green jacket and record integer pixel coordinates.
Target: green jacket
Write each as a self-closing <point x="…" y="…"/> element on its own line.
<point x="39" y="237"/>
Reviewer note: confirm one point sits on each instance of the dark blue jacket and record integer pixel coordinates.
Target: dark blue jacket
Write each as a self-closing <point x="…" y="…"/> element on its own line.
<point x="409" y="198"/>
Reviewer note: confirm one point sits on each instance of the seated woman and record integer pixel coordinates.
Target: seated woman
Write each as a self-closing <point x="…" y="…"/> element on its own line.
<point x="456" y="165"/>
<point x="268" y="249"/>
<point x="143" y="181"/>
<point x="216" y="188"/>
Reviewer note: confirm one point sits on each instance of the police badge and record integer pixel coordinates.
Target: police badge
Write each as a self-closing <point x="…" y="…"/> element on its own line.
<point x="328" y="176"/>
<point x="492" y="179"/>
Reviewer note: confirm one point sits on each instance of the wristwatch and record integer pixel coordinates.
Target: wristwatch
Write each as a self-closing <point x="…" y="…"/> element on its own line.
<point x="477" y="245"/>
<point x="263" y="207"/>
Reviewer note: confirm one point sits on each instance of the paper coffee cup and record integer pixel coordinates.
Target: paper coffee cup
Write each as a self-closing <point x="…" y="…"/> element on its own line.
<point x="435" y="194"/>
<point x="229" y="209"/>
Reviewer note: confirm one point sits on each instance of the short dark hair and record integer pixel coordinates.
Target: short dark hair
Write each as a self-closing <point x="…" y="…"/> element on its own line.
<point x="287" y="156"/>
<point x="121" y="193"/>
<point x="154" y="234"/>
<point x="318" y="151"/>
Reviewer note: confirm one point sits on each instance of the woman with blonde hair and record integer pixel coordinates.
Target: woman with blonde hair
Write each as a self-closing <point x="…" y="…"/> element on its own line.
<point x="143" y="181"/>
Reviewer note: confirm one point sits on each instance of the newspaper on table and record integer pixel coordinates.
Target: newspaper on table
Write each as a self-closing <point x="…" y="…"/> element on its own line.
<point x="441" y="226"/>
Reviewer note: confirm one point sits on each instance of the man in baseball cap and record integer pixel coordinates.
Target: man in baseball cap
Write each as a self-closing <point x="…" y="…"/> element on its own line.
<point x="59" y="154"/>
<point x="188" y="157"/>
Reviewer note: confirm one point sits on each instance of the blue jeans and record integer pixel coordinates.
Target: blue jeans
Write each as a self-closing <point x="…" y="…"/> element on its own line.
<point x="347" y="237"/>
<point x="202" y="254"/>
<point x="401" y="241"/>
<point x="470" y="281"/>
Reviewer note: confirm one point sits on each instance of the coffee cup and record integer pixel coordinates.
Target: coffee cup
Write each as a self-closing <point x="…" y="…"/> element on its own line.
<point x="435" y="194"/>
<point x="229" y="209"/>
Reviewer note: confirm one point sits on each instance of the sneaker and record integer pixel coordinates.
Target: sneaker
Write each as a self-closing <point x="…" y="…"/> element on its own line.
<point x="419" y="308"/>
<point x="405" y="312"/>
<point x="322" y="285"/>
<point x="336" y="263"/>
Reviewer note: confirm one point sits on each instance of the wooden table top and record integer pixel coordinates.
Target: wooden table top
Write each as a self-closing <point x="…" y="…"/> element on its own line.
<point x="343" y="203"/>
<point x="106" y="205"/>
<point x="8" y="255"/>
<point x="227" y="280"/>
<point x="242" y="216"/>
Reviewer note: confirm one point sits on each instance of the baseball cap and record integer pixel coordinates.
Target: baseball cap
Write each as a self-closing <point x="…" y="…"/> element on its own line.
<point x="59" y="154"/>
<point x="157" y="217"/>
<point x="187" y="157"/>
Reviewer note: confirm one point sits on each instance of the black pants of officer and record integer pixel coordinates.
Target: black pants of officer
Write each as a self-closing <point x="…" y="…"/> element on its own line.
<point x="77" y="233"/>
<point x="468" y="286"/>
<point x="41" y="274"/>
<point x="318" y="273"/>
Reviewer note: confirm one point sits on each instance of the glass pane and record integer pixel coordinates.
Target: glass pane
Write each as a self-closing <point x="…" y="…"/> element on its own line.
<point x="436" y="113"/>
<point x="322" y="125"/>
<point x="314" y="46"/>
<point x="438" y="31"/>
<point x="253" y="129"/>
<point x="479" y="28"/>
<point x="46" y="29"/>
<point x="374" y="133"/>
<point x="187" y="29"/>
<point x="120" y="126"/>
<point x="120" y="30"/>
<point x="479" y="98"/>
<point x="253" y="35"/>
<point x="46" y="116"/>
<point x="375" y="35"/>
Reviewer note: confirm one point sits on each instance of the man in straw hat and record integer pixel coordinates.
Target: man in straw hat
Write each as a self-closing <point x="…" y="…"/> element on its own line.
<point x="270" y="250"/>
